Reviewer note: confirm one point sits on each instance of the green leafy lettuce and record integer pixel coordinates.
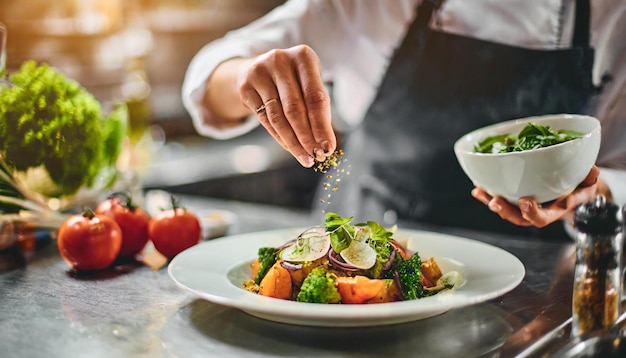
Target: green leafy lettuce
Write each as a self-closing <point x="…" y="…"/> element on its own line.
<point x="48" y="120"/>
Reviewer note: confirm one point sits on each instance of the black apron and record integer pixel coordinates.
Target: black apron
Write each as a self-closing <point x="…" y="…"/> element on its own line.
<point x="438" y="87"/>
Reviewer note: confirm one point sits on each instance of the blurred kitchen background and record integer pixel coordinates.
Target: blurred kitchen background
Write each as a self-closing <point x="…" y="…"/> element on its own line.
<point x="137" y="51"/>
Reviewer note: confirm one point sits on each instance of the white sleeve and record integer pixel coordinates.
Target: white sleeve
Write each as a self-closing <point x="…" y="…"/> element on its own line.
<point x="353" y="39"/>
<point x="193" y="89"/>
<point x="277" y="29"/>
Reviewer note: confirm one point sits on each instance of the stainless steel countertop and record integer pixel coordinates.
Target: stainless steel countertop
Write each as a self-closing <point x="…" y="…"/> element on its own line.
<point x="132" y="311"/>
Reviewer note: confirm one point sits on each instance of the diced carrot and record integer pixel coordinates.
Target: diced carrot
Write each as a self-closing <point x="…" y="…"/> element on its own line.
<point x="425" y="282"/>
<point x="431" y="271"/>
<point x="255" y="265"/>
<point x="390" y="292"/>
<point x="358" y="289"/>
<point x="276" y="283"/>
<point x="298" y="275"/>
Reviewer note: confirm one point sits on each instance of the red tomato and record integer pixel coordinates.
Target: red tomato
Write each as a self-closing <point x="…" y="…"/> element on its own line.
<point x="174" y="230"/>
<point x="89" y="241"/>
<point x="132" y="219"/>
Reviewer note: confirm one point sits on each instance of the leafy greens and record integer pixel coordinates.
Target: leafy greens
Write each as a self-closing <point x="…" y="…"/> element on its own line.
<point x="50" y="121"/>
<point x="532" y="136"/>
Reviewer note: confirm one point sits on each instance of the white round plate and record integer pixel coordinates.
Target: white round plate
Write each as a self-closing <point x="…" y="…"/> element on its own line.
<point x="215" y="270"/>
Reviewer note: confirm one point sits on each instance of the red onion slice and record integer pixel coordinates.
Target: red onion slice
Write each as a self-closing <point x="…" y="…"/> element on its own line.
<point x="392" y="258"/>
<point x="290" y="265"/>
<point x="334" y="260"/>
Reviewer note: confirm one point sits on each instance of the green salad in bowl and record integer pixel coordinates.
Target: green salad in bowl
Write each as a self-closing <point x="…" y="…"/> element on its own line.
<point x="542" y="157"/>
<point x="532" y="136"/>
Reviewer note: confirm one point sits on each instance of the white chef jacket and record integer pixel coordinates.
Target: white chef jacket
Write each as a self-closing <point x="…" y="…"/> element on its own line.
<point x="355" y="40"/>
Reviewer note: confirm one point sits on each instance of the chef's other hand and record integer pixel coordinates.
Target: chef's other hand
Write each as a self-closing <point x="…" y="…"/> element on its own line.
<point x="530" y="213"/>
<point x="285" y="89"/>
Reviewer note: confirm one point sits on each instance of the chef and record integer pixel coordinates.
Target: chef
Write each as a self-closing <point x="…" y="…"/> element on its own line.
<point x="401" y="80"/>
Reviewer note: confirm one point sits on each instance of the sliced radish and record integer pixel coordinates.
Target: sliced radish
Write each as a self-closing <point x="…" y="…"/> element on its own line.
<point x="359" y="254"/>
<point x="362" y="233"/>
<point x="448" y="281"/>
<point x="309" y="246"/>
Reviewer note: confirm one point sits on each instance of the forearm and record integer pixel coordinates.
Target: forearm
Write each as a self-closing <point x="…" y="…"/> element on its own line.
<point x="221" y="92"/>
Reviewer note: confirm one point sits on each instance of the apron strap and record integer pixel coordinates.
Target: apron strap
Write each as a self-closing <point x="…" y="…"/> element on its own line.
<point x="425" y="11"/>
<point x="582" y="23"/>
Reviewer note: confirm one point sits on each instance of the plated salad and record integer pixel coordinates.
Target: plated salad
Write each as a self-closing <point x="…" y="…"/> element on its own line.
<point x="344" y="263"/>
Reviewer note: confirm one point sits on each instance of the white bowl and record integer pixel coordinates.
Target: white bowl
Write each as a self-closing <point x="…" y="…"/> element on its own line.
<point x="544" y="174"/>
<point x="216" y="223"/>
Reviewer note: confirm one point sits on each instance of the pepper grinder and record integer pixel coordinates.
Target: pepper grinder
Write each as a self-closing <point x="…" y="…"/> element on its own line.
<point x="597" y="282"/>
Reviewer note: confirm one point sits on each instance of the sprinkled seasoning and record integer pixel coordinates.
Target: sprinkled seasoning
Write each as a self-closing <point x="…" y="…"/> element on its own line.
<point x="331" y="161"/>
<point x="334" y="173"/>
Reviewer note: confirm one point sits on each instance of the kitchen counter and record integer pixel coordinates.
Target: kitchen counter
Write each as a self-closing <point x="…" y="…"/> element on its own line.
<point x="133" y="311"/>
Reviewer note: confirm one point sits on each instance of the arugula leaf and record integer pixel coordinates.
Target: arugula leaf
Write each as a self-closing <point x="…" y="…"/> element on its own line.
<point x="342" y="233"/>
<point x="340" y="230"/>
<point x="495" y="144"/>
<point x="379" y="241"/>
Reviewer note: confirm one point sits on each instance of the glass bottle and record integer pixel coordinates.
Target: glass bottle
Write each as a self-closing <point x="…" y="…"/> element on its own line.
<point x="3" y="50"/>
<point x="597" y="280"/>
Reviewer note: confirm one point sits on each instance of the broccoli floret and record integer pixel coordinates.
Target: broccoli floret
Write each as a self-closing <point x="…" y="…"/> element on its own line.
<point x="409" y="273"/>
<point x="49" y="120"/>
<point x="319" y="287"/>
<point x="267" y="258"/>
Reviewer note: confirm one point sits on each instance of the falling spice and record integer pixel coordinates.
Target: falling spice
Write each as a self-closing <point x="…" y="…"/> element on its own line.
<point x="332" y="161"/>
<point x="331" y="166"/>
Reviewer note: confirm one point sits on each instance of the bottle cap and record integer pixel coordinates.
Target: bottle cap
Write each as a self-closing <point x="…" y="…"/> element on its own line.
<point x="599" y="217"/>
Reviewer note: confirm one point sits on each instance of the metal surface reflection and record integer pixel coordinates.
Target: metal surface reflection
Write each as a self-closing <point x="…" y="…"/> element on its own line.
<point x="479" y="331"/>
<point x="134" y="311"/>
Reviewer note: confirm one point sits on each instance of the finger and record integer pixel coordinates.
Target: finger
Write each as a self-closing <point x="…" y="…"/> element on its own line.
<point x="481" y="196"/>
<point x="288" y="116"/>
<point x="507" y="211"/>
<point x="579" y="196"/>
<point x="591" y="178"/>
<point x="501" y="207"/>
<point x="277" y="120"/>
<point x="561" y="209"/>
<point x="253" y="101"/>
<point x="272" y="116"/>
<point x="250" y="97"/>
<point x="262" y="116"/>
<point x="541" y="216"/>
<point x="317" y="102"/>
<point x="294" y="111"/>
<point x="294" y="108"/>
